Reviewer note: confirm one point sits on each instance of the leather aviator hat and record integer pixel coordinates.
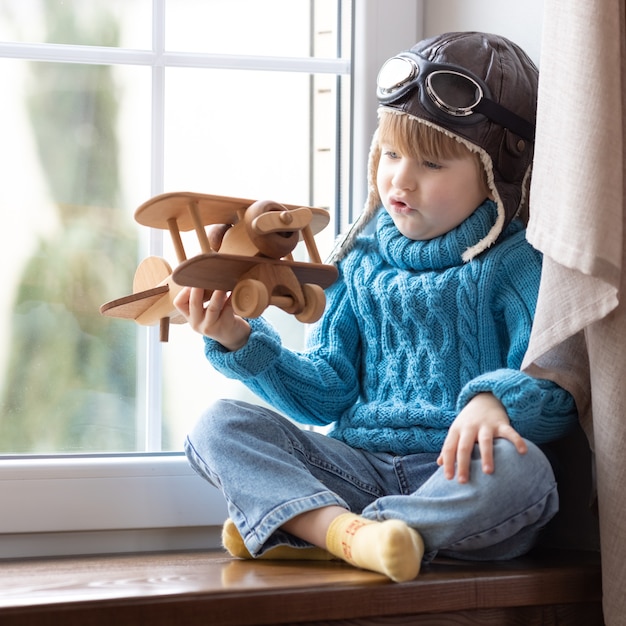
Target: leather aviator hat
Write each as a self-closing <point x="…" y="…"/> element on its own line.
<point x="480" y="89"/>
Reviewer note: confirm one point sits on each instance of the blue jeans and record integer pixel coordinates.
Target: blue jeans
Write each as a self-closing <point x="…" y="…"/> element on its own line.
<point x="270" y="470"/>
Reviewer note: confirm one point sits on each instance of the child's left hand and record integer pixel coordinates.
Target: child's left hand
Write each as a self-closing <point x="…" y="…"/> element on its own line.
<point x="481" y="421"/>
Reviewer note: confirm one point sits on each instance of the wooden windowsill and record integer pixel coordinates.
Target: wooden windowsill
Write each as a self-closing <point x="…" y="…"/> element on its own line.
<point x="188" y="588"/>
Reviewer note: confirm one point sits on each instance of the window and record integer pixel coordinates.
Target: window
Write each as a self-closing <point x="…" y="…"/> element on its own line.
<point x="107" y="103"/>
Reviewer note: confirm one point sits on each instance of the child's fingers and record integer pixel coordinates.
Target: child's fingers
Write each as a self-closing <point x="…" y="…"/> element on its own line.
<point x="485" y="444"/>
<point x="464" y="450"/>
<point x="196" y="300"/>
<point x="181" y="301"/>
<point x="508" y="432"/>
<point x="447" y="457"/>
<point x="215" y="304"/>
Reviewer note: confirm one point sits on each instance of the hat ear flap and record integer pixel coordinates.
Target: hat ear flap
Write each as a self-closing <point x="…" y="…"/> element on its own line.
<point x="373" y="200"/>
<point x="372" y="204"/>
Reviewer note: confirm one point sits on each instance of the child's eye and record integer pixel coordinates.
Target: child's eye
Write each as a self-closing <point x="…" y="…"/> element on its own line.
<point x="391" y="154"/>
<point x="431" y="165"/>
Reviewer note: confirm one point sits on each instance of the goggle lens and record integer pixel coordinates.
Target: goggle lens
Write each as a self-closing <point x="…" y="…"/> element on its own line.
<point x="396" y="73"/>
<point x="455" y="93"/>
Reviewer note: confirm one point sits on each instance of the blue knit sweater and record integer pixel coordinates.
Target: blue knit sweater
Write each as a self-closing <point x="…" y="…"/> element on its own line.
<point x="410" y="334"/>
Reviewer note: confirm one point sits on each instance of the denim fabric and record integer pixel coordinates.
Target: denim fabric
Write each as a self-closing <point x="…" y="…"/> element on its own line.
<point x="270" y="470"/>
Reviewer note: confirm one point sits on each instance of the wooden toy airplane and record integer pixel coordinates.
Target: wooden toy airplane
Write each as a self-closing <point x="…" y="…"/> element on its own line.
<point x="252" y="260"/>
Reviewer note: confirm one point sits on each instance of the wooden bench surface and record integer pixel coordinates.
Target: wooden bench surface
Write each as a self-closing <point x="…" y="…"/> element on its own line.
<point x="187" y="588"/>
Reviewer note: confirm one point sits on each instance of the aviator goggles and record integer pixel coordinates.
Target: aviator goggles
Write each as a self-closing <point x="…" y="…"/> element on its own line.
<point x="446" y="91"/>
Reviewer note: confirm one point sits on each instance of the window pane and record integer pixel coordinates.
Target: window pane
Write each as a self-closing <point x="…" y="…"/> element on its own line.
<point x="84" y="146"/>
<point x="249" y="135"/>
<point x="70" y="136"/>
<point x="79" y="22"/>
<point x="268" y="28"/>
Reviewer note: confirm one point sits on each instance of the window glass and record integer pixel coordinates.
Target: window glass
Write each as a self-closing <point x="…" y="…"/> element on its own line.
<point x="69" y="243"/>
<point x="84" y="146"/>
<point x="124" y="23"/>
<point x="236" y="127"/>
<point x="268" y="28"/>
<point x="236" y="123"/>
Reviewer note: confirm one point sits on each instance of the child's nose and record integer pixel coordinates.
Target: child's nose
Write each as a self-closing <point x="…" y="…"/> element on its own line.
<point x="405" y="176"/>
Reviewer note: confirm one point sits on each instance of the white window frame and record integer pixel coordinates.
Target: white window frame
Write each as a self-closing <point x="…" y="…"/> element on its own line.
<point x="79" y="505"/>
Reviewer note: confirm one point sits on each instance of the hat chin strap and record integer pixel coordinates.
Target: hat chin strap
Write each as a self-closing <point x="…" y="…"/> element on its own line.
<point x="372" y="204"/>
<point x="490" y="238"/>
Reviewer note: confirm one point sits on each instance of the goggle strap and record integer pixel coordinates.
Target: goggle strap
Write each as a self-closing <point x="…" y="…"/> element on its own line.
<point x="506" y="118"/>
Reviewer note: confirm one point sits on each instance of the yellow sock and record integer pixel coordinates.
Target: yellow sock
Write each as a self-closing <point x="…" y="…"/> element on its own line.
<point x="390" y="547"/>
<point x="233" y="542"/>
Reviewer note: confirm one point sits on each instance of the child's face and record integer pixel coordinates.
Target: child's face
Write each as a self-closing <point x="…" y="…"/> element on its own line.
<point x="427" y="199"/>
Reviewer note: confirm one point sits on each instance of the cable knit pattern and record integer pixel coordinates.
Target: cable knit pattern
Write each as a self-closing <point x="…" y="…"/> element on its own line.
<point x="409" y="336"/>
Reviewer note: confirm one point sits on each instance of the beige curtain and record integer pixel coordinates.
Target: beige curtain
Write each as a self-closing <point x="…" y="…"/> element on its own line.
<point x="577" y="220"/>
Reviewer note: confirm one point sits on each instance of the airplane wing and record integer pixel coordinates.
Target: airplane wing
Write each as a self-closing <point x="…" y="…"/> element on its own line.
<point x="222" y="271"/>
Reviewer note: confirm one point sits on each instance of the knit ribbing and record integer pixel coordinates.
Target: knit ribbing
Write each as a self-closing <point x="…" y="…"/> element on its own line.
<point x="434" y="254"/>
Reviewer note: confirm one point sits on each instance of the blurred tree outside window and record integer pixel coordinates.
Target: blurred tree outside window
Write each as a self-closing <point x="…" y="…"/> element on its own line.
<point x="86" y="140"/>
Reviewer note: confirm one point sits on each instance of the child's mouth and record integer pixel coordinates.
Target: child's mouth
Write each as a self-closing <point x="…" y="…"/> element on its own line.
<point x="401" y="207"/>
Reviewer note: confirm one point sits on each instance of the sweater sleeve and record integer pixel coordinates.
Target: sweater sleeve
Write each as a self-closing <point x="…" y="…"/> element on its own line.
<point x="539" y="410"/>
<point x="314" y="386"/>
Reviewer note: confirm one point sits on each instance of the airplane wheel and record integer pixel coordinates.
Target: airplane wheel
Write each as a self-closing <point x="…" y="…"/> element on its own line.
<point x="250" y="297"/>
<point x="314" y="303"/>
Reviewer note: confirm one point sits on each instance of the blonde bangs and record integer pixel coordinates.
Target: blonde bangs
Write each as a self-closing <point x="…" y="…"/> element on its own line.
<point x="417" y="140"/>
<point x="424" y="142"/>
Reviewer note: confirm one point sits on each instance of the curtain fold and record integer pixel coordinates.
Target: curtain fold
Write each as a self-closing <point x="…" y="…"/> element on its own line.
<point x="577" y="219"/>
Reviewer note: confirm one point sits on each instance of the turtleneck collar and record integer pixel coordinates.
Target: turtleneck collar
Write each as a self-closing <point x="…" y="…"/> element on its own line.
<point x="438" y="253"/>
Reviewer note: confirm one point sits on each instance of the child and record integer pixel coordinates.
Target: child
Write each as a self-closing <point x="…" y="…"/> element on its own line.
<point x="416" y="361"/>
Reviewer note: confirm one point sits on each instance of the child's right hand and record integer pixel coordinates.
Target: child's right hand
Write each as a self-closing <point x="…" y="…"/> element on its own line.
<point x="215" y="318"/>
